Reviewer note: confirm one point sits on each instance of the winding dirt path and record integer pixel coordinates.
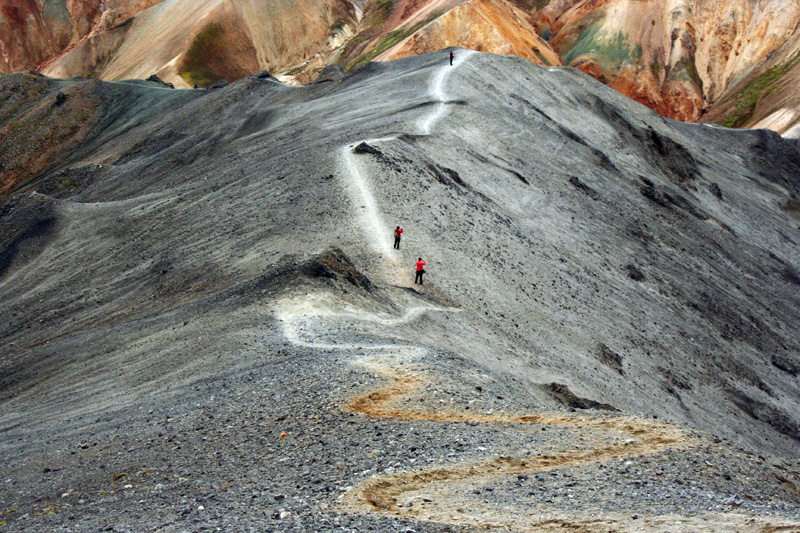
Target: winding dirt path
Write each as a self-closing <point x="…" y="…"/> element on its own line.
<point x="443" y="494"/>
<point x="432" y="494"/>
<point x="440" y="493"/>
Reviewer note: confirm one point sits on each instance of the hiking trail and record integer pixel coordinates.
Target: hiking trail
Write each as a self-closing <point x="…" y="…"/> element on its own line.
<point x="442" y="493"/>
<point x="439" y="493"/>
<point x="359" y="186"/>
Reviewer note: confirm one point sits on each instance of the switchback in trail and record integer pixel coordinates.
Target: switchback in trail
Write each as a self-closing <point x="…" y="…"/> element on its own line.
<point x="441" y="493"/>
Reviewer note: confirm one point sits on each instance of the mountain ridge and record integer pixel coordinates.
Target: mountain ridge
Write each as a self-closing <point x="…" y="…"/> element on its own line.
<point x="202" y="308"/>
<point x="733" y="62"/>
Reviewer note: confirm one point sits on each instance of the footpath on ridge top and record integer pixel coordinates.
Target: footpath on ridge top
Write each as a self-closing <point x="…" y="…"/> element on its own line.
<point x="432" y="494"/>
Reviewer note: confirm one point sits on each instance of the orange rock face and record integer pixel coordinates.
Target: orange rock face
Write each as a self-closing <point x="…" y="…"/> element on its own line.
<point x="484" y="25"/>
<point x="682" y="58"/>
<point x="25" y="37"/>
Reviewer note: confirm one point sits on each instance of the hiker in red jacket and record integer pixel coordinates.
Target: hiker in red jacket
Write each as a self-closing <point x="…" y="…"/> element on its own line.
<point x="452" y="55"/>
<point x="398" y="232"/>
<point x="420" y="270"/>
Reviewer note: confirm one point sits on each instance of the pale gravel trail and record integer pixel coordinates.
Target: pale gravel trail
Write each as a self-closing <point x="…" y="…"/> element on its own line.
<point x="613" y="436"/>
<point x="359" y="187"/>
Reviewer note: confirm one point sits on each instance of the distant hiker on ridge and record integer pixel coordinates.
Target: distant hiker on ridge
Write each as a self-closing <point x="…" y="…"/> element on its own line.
<point x="452" y="55"/>
<point x="420" y="271"/>
<point x="398" y="232"/>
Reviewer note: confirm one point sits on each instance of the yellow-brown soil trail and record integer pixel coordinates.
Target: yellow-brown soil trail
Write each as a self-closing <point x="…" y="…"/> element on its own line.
<point x="439" y="493"/>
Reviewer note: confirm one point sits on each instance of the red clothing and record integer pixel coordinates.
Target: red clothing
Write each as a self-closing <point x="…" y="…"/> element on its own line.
<point x="398" y="232"/>
<point x="420" y="264"/>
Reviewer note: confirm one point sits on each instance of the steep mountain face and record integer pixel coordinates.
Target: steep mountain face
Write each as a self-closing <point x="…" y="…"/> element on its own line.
<point x="34" y="32"/>
<point x="680" y="57"/>
<point x="203" y="284"/>
<point x="734" y="62"/>
<point x="184" y="41"/>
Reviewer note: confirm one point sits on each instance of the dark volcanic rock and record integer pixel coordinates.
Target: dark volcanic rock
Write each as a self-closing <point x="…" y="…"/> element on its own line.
<point x="581" y="186"/>
<point x="566" y="397"/>
<point x="364" y="148"/>
<point x="27" y="224"/>
<point x="219" y="318"/>
<point x="610" y="358"/>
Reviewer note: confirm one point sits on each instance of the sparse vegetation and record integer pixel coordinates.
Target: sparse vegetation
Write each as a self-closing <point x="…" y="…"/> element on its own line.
<point x="391" y="39"/>
<point x="296" y="70"/>
<point x="530" y="5"/>
<point x="351" y="45"/>
<point x="691" y="71"/>
<point x="195" y="69"/>
<point x="610" y="53"/>
<point x="761" y="85"/>
<point x="378" y="12"/>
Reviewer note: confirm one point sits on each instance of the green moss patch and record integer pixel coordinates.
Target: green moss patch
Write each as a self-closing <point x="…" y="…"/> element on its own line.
<point x="296" y="70"/>
<point x="379" y="12"/>
<point x="391" y="39"/>
<point x="762" y="85"/>
<point x="195" y="69"/>
<point x="611" y="53"/>
<point x="655" y="68"/>
<point x="530" y="5"/>
<point x="686" y="70"/>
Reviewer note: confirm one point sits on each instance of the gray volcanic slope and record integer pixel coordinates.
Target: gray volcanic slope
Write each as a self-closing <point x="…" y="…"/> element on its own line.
<point x="191" y="299"/>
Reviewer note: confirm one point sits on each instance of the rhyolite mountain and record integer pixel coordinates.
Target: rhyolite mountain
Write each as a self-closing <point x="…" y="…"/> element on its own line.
<point x="733" y="62"/>
<point x="196" y="284"/>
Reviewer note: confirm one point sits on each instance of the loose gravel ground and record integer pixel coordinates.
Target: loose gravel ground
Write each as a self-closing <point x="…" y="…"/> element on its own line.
<point x="200" y="332"/>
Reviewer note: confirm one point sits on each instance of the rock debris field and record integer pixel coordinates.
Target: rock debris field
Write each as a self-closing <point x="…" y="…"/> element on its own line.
<point x="205" y="326"/>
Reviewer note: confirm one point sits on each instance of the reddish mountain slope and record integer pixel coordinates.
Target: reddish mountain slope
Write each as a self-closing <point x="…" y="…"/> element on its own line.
<point x="731" y="61"/>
